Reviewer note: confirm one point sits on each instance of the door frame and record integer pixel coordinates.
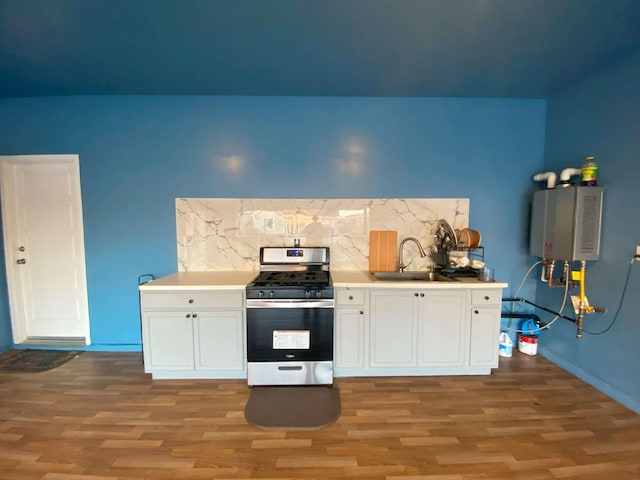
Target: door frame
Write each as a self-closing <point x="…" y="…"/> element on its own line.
<point x="9" y="222"/>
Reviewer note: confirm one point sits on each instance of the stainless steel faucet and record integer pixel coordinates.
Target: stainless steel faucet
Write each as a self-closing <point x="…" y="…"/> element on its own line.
<point x="401" y="265"/>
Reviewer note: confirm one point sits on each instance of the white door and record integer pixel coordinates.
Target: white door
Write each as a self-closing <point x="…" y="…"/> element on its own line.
<point x="44" y="249"/>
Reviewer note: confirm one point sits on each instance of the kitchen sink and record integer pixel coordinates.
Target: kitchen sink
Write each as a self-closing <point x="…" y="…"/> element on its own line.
<point x="412" y="276"/>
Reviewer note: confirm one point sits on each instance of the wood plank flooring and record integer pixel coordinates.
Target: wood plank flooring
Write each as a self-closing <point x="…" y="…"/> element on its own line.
<point x="100" y="417"/>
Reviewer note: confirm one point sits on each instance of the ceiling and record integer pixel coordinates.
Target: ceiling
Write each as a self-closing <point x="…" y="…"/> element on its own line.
<point x="471" y="48"/>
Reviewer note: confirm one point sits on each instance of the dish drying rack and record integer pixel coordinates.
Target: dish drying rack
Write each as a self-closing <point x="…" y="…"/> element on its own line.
<point x="446" y="242"/>
<point x="476" y="253"/>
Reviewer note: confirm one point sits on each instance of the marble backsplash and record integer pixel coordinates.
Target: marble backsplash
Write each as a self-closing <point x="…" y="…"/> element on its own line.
<point x="216" y="234"/>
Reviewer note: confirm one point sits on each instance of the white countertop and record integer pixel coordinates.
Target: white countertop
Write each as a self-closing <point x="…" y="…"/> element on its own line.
<point x="352" y="278"/>
<point x="232" y="280"/>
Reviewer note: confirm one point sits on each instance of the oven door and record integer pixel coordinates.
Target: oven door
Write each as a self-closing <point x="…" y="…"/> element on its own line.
<point x="289" y="331"/>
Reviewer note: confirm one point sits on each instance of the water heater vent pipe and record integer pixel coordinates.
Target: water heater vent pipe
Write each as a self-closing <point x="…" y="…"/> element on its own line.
<point x="550" y="177"/>
<point x="567" y="173"/>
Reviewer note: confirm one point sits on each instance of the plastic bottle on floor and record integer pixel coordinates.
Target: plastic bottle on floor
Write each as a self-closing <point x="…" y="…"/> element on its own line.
<point x="506" y="345"/>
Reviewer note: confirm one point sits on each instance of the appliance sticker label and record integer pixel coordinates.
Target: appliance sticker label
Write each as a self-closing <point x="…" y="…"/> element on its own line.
<point x="291" y="339"/>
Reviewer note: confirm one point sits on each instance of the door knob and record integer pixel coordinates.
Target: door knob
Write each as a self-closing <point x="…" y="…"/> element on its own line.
<point x="21" y="261"/>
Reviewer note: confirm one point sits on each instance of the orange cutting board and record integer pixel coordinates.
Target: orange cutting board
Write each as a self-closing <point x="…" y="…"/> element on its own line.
<point x="383" y="247"/>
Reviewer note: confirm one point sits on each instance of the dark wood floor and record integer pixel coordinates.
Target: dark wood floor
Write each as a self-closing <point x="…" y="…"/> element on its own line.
<point x="100" y="417"/>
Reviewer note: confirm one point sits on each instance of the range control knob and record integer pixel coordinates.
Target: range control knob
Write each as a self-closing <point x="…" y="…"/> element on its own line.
<point x="260" y="294"/>
<point x="307" y="294"/>
<point x="318" y="293"/>
<point x="272" y="294"/>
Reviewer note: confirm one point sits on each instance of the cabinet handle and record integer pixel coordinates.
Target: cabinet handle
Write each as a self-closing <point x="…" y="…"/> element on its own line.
<point x="350" y="297"/>
<point x="361" y="312"/>
<point x="422" y="294"/>
<point x="188" y="315"/>
<point x="195" y="315"/>
<point x="486" y="297"/>
<point x="415" y="294"/>
<point x="191" y="300"/>
<point x="476" y="312"/>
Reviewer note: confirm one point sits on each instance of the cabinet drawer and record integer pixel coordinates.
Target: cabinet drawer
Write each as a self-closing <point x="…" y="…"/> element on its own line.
<point x="486" y="297"/>
<point x="350" y="297"/>
<point x="193" y="300"/>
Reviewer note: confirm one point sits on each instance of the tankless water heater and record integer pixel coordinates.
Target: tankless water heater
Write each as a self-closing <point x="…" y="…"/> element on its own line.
<point x="565" y="223"/>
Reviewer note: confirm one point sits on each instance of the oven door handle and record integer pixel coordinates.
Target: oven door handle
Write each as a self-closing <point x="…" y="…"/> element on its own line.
<point x="290" y="304"/>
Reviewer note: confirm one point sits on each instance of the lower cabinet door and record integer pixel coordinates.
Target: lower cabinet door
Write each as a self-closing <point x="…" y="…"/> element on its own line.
<point x="442" y="329"/>
<point x="349" y="338"/>
<point x="220" y="340"/>
<point x="393" y="329"/>
<point x="168" y="341"/>
<point x="485" y="334"/>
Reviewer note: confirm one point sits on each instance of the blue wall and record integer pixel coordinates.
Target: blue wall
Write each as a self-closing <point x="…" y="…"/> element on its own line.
<point x="600" y="116"/>
<point x="137" y="154"/>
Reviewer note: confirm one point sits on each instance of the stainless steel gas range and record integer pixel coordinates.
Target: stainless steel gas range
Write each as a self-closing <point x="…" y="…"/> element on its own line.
<point x="290" y="318"/>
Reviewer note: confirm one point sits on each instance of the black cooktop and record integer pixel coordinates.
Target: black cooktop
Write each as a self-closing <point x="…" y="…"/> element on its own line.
<point x="291" y="285"/>
<point x="310" y="279"/>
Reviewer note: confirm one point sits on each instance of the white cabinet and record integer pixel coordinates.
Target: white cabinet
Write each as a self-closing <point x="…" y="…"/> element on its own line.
<point x="167" y="341"/>
<point x="350" y="333"/>
<point x="418" y="328"/>
<point x="219" y="340"/>
<point x="485" y="327"/>
<point x="393" y="328"/>
<point x="199" y="334"/>
<point x="442" y="328"/>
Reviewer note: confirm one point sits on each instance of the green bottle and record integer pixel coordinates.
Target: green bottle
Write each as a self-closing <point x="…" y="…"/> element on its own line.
<point x="589" y="173"/>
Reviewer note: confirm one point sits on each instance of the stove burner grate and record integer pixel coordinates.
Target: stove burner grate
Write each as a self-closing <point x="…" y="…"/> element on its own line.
<point x="297" y="278"/>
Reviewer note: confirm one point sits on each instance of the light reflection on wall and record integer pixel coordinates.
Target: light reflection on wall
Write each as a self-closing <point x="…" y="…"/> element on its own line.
<point x="232" y="163"/>
<point x="353" y="160"/>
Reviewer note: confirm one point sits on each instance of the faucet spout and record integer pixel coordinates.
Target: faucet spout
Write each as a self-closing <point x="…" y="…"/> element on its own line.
<point x="401" y="264"/>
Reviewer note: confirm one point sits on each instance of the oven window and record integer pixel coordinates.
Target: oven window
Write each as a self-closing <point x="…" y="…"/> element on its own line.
<point x="289" y="334"/>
